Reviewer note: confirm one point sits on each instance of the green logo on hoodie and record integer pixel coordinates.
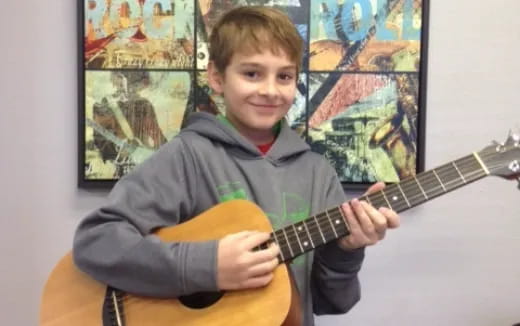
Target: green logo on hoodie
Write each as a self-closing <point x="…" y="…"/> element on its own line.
<point x="294" y="209"/>
<point x="230" y="191"/>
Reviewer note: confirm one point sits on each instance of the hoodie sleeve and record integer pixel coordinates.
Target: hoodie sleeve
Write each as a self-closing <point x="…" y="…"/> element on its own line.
<point x="334" y="278"/>
<point x="114" y="244"/>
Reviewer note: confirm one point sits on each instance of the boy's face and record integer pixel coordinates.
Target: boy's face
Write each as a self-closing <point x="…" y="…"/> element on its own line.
<point x="258" y="91"/>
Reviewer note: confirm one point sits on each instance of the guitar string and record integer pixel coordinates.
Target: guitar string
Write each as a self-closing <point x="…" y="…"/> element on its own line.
<point x="324" y="225"/>
<point x="427" y="180"/>
<point x="393" y="190"/>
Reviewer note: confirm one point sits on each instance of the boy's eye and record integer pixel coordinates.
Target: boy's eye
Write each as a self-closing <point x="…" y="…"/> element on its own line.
<point x="286" y="76"/>
<point x="251" y="74"/>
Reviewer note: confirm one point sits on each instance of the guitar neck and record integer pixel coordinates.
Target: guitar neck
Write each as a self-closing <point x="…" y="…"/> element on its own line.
<point x="297" y="239"/>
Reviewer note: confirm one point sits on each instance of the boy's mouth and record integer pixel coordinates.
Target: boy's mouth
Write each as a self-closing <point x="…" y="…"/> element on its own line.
<point x="267" y="106"/>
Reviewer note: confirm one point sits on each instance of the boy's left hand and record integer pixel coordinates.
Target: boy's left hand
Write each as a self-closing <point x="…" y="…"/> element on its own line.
<point x="367" y="224"/>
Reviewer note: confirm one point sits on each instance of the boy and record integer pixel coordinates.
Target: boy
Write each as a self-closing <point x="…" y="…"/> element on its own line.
<point x="251" y="153"/>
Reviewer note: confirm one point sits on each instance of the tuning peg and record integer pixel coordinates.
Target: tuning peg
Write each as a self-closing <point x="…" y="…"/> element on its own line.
<point x="498" y="146"/>
<point x="514" y="137"/>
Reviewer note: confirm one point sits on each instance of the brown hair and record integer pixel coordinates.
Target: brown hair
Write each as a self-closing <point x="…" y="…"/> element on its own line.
<point x="254" y="28"/>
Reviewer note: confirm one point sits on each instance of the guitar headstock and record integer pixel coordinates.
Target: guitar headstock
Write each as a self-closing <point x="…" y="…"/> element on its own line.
<point x="503" y="159"/>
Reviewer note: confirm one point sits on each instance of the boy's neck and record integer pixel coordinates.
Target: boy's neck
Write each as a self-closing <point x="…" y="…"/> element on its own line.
<point x="257" y="138"/>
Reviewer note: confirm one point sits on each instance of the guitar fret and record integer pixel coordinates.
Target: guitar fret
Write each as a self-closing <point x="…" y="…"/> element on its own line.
<point x="386" y="199"/>
<point x="404" y="196"/>
<point x="449" y="177"/>
<point x="410" y="186"/>
<point x="471" y="167"/>
<point x="395" y="196"/>
<point x="442" y="184"/>
<point x="432" y="186"/>
<point x="420" y="187"/>
<point x="375" y="200"/>
<point x="309" y="234"/>
<point x="342" y="226"/>
<point x="294" y="240"/>
<point x="303" y="235"/>
<point x="456" y="168"/>
<point x="482" y="165"/>
<point x="331" y="224"/>
<point x="298" y="238"/>
<point x="281" y="247"/>
<point x="326" y="226"/>
<point x="288" y="243"/>
<point x="319" y="229"/>
<point x="342" y="221"/>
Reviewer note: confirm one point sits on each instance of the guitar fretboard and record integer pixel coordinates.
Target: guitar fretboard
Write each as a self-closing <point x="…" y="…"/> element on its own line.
<point x="297" y="239"/>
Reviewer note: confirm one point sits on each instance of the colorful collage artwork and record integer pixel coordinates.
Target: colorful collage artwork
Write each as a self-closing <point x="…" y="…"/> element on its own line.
<point x="360" y="100"/>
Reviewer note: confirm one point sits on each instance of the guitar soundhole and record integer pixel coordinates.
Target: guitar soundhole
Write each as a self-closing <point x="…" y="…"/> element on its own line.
<point x="201" y="300"/>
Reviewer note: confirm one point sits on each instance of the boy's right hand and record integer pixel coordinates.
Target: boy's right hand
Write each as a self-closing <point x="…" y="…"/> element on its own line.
<point x="239" y="267"/>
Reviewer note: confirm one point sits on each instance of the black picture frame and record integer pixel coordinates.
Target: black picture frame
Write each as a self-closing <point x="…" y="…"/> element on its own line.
<point x="361" y="98"/>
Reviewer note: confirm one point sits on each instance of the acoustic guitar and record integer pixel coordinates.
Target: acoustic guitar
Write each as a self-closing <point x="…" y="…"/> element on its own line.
<point x="70" y="297"/>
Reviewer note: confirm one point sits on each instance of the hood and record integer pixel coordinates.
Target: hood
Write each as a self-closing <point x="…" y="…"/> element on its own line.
<point x="287" y="144"/>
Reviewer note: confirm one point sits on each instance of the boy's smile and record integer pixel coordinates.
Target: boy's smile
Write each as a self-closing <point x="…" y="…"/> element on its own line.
<point x="258" y="91"/>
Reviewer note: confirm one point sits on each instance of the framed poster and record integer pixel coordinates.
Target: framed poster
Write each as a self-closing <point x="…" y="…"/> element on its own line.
<point x="361" y="93"/>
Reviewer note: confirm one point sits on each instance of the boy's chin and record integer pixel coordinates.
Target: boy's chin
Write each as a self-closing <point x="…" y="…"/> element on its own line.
<point x="266" y="124"/>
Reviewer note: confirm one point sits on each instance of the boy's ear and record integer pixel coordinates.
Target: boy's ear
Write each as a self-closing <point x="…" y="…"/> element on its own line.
<point x="215" y="78"/>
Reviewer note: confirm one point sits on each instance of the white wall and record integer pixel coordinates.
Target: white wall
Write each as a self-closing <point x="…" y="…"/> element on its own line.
<point x="454" y="261"/>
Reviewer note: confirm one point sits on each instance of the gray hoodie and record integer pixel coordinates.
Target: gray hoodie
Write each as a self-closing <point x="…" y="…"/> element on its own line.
<point x="207" y="163"/>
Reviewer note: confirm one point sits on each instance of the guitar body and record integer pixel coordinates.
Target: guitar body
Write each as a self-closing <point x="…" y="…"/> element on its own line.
<point x="71" y="297"/>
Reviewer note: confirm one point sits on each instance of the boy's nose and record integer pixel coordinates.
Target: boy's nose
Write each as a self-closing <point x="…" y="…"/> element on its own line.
<point x="269" y="88"/>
